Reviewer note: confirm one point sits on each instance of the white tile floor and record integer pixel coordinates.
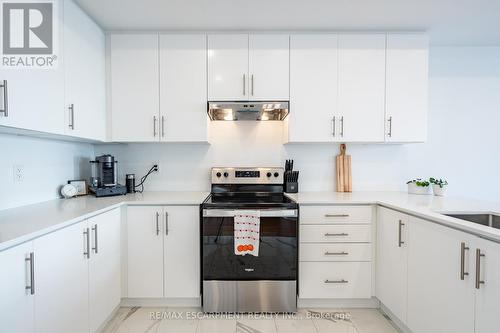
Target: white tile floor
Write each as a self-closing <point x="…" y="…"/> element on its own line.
<point x="191" y="320"/>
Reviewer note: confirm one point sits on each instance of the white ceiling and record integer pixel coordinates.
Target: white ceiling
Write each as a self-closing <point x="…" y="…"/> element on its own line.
<point x="449" y="22"/>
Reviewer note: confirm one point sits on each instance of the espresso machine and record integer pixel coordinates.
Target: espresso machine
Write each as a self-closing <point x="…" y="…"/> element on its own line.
<point x="104" y="180"/>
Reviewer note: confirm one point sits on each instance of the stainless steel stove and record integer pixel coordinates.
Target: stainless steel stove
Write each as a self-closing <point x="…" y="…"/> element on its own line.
<point x="268" y="282"/>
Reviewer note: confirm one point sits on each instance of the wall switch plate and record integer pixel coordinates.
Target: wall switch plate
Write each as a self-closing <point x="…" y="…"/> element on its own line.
<point x="18" y="173"/>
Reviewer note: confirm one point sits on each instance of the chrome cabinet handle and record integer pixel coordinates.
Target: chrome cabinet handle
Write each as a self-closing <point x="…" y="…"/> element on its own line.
<point x="244" y="84"/>
<point x="162" y="126"/>
<point x="336" y="281"/>
<point x="463" y="273"/>
<point x="5" y="109"/>
<point x="154" y="126"/>
<point x="157" y="223"/>
<point x="95" y="248"/>
<point x="31" y="260"/>
<point x="343" y="253"/>
<point x="336" y="215"/>
<point x="342" y="126"/>
<point x="252" y="84"/>
<point x="479" y="282"/>
<point x="389" y="134"/>
<point x="400" y="241"/>
<point x="86" y="235"/>
<point x="333" y="126"/>
<point x="166" y="223"/>
<point x="340" y="234"/>
<point x="71" y="109"/>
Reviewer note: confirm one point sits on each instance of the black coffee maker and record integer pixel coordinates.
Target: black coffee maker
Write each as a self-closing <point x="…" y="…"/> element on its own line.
<point x="104" y="180"/>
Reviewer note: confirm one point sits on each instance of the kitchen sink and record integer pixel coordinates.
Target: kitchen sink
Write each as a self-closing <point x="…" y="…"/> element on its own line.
<point x="486" y="219"/>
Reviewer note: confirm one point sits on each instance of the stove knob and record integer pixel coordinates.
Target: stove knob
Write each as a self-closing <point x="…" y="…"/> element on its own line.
<point x="268" y="174"/>
<point x="218" y="174"/>
<point x="276" y="174"/>
<point x="226" y="174"/>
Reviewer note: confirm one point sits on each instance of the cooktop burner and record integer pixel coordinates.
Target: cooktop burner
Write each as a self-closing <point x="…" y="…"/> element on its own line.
<point x="248" y="200"/>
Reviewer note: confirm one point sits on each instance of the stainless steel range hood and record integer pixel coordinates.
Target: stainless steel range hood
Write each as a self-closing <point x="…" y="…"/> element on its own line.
<point x="255" y="110"/>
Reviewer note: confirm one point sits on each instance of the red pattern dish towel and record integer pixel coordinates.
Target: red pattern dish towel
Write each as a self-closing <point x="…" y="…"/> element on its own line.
<point x="246" y="232"/>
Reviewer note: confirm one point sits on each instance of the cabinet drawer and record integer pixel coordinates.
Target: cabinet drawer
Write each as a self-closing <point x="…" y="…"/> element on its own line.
<point x="335" y="233"/>
<point x="335" y="214"/>
<point x="335" y="280"/>
<point x="335" y="252"/>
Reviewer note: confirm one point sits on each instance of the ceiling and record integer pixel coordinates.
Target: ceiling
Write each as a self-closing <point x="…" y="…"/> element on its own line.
<point x="449" y="22"/>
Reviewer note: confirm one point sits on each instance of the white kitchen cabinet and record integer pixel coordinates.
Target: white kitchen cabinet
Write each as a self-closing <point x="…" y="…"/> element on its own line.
<point x="361" y="87"/>
<point x="182" y="252"/>
<point x="228" y="67"/>
<point x="183" y="88"/>
<point x="84" y="70"/>
<point x="407" y="87"/>
<point x="313" y="88"/>
<point x="145" y="228"/>
<point x="488" y="292"/>
<point x="269" y="67"/>
<point x="440" y="298"/>
<point x="135" y="87"/>
<point x="17" y="300"/>
<point x="61" y="281"/>
<point x="392" y="261"/>
<point x="104" y="267"/>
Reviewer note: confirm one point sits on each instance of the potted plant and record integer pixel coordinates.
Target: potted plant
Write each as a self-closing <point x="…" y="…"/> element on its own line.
<point x="418" y="186"/>
<point x="438" y="186"/>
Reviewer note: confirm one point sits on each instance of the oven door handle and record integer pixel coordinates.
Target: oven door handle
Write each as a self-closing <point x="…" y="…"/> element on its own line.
<point x="263" y="213"/>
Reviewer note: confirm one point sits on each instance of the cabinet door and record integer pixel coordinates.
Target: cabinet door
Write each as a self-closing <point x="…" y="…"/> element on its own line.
<point x="104" y="268"/>
<point x="35" y="97"/>
<point x="361" y="87"/>
<point x="269" y="67"/>
<point x="16" y="302"/>
<point x="392" y="261"/>
<point x="488" y="294"/>
<point x="145" y="251"/>
<point x="438" y="299"/>
<point x="134" y="87"/>
<point x="228" y="67"/>
<point x="84" y="51"/>
<point x="407" y="87"/>
<point x="183" y="84"/>
<point x="182" y="251"/>
<point x="313" y="88"/>
<point x="61" y="281"/>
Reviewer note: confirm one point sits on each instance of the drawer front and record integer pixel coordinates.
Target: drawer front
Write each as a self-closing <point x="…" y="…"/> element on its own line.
<point x="335" y="252"/>
<point x="335" y="280"/>
<point x="335" y="233"/>
<point x="335" y="214"/>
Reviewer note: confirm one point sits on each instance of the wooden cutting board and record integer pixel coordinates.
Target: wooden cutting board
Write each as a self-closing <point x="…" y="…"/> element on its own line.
<point x="344" y="173"/>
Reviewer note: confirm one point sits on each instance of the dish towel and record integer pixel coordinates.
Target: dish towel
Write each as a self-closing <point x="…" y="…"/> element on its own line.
<point x="246" y="232"/>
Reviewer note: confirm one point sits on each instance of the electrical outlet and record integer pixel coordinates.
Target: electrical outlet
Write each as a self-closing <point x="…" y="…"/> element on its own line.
<point x="18" y="172"/>
<point x="157" y="166"/>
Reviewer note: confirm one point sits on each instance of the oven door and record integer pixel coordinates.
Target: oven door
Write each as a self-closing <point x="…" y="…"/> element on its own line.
<point x="277" y="258"/>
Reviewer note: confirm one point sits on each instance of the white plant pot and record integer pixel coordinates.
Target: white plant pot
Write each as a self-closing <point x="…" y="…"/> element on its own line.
<point x="439" y="191"/>
<point x="414" y="189"/>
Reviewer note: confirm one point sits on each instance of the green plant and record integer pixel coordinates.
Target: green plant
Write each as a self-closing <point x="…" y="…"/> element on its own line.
<point x="419" y="182"/>
<point x="439" y="182"/>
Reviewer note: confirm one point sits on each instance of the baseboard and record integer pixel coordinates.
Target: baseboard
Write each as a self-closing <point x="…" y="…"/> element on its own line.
<point x="162" y="302"/>
<point x="337" y="303"/>
<point x="398" y="324"/>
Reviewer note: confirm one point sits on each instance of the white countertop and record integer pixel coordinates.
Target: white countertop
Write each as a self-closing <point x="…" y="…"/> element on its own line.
<point x="18" y="225"/>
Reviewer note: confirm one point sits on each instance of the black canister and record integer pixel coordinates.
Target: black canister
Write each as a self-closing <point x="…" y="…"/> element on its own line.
<point x="130" y="182"/>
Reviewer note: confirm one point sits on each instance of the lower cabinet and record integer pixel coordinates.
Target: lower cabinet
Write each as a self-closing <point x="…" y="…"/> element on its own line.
<point x="163" y="251"/>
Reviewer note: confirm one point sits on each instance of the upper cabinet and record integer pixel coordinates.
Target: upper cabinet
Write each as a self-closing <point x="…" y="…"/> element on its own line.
<point x="406" y="87"/>
<point x="248" y="67"/>
<point x="85" y="75"/>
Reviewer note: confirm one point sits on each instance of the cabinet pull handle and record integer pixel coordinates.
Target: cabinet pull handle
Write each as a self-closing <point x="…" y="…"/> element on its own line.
<point x="389" y="134"/>
<point x="157" y="223"/>
<point x="31" y="260"/>
<point x="244" y="84"/>
<point x="336" y="281"/>
<point x="154" y="126"/>
<point x="336" y="215"/>
<point x="162" y="126"/>
<point x="343" y="253"/>
<point x="342" y="126"/>
<point x="400" y="226"/>
<point x="95" y="248"/>
<point x="340" y="234"/>
<point x="5" y="109"/>
<point x="333" y="126"/>
<point x="86" y="235"/>
<point x="252" y="83"/>
<point x="71" y="109"/>
<point x="479" y="282"/>
<point x="463" y="273"/>
<point x="166" y="223"/>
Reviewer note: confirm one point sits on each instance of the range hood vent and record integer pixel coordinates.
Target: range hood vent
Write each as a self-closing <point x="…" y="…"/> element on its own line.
<point x="256" y="111"/>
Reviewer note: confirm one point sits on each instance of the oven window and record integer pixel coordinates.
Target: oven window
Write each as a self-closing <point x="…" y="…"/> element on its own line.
<point x="277" y="258"/>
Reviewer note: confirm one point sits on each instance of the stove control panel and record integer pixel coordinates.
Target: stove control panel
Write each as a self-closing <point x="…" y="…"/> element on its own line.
<point x="247" y="175"/>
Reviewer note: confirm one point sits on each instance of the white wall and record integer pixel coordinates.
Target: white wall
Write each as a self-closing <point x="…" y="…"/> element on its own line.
<point x="463" y="144"/>
<point x="47" y="165"/>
